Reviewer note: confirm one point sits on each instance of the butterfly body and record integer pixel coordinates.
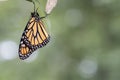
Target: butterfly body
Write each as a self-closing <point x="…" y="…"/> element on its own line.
<point x="34" y="36"/>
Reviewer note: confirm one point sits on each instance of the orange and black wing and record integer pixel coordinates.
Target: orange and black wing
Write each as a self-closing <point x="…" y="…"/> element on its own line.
<point x="33" y="37"/>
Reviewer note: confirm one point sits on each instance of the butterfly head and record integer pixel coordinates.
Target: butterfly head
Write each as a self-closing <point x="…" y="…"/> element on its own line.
<point x="34" y="14"/>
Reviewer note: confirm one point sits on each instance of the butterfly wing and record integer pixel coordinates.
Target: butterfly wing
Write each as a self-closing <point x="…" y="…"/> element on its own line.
<point x="33" y="37"/>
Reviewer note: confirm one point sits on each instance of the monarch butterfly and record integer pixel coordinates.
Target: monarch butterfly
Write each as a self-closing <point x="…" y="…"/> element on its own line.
<point x="34" y="36"/>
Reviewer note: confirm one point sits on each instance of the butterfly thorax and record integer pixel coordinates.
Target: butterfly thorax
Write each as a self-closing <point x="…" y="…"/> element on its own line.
<point x="36" y="15"/>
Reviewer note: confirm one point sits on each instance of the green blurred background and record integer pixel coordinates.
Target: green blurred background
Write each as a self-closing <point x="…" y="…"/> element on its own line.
<point x="84" y="45"/>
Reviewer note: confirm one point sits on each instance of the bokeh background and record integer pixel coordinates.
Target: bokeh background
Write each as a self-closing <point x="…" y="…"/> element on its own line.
<point x="84" y="45"/>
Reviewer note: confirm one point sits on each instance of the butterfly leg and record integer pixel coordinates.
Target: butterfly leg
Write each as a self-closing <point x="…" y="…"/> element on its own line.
<point x="44" y="16"/>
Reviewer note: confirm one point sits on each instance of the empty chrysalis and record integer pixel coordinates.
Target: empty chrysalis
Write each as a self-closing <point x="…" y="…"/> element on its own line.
<point x="50" y="5"/>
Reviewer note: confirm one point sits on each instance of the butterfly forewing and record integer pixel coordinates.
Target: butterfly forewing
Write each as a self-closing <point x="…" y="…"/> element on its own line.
<point x="33" y="37"/>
